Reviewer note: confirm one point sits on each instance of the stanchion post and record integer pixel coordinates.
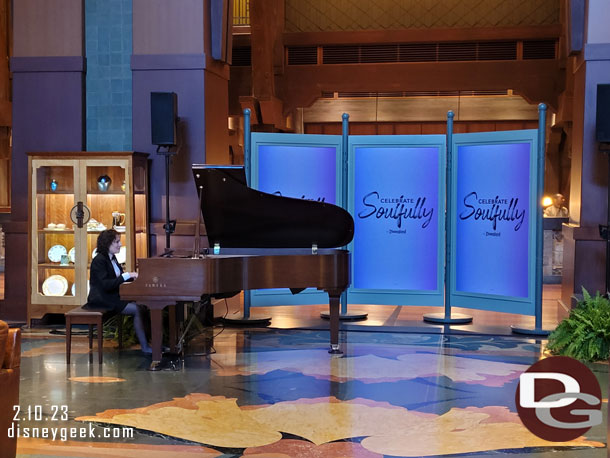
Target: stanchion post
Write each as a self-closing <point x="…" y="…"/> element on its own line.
<point x="343" y="315"/>
<point x="447" y="317"/>
<point x="537" y="329"/>
<point x="344" y="191"/>
<point x="246" y="319"/>
<point x="247" y="164"/>
<point x="539" y="212"/>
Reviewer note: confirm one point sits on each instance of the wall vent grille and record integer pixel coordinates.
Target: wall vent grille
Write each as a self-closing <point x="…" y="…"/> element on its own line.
<point x="436" y="52"/>
<point x="355" y="95"/>
<point x="410" y="52"/>
<point x="302" y="55"/>
<point x="539" y="49"/>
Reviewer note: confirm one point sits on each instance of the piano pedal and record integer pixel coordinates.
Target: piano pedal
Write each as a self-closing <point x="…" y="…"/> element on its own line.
<point x="335" y="349"/>
<point x="169" y="362"/>
<point x="175" y="362"/>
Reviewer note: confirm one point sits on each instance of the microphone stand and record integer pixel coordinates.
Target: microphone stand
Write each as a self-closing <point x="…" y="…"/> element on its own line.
<point x="170" y="224"/>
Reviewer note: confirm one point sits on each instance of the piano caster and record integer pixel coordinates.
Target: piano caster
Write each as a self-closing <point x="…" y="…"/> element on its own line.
<point x="334" y="349"/>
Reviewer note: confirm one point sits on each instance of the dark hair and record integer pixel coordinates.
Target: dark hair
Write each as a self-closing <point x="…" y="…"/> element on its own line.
<point x="105" y="239"/>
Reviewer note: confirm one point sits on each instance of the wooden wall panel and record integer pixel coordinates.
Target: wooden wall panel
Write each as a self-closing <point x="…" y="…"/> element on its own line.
<point x="316" y="128"/>
<point x="5" y="185"/>
<point x="413" y="128"/>
<point x="363" y="128"/>
<point x="417" y="128"/>
<point x="481" y="126"/>
<point x="433" y="128"/>
<point x="216" y="115"/>
<point x="322" y="15"/>
<point x="5" y="107"/>
<point x="386" y="128"/>
<point x="43" y="28"/>
<point x="333" y="128"/>
<point x="460" y="127"/>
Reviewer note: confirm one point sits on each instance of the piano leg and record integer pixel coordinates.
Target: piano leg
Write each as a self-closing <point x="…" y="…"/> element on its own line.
<point x="334" y="304"/>
<point x="172" y="328"/>
<point x="156" y="330"/>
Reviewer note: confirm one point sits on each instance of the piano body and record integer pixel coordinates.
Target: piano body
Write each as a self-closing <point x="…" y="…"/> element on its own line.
<point x="261" y="241"/>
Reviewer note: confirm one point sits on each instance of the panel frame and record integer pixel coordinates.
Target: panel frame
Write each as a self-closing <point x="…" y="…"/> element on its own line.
<point x="274" y="297"/>
<point x="481" y="301"/>
<point x="401" y="297"/>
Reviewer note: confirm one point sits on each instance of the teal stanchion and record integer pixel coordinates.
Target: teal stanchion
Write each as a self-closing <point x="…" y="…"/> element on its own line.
<point x="447" y="317"/>
<point x="246" y="319"/>
<point x="537" y="329"/>
<point x="344" y="315"/>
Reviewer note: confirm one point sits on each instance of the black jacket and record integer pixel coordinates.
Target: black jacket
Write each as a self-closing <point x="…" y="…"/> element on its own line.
<point x="104" y="286"/>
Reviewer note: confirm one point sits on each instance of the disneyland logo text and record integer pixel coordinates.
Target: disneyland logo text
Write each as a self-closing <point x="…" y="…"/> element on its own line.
<point x="319" y="199"/>
<point x="494" y="210"/>
<point x="397" y="208"/>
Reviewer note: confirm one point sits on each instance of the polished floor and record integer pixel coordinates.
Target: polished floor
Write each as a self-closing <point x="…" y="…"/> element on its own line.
<point x="401" y="388"/>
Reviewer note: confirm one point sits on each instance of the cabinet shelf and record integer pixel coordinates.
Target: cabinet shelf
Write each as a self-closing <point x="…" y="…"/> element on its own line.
<point x="106" y="193"/>
<point x="49" y="192"/>
<point x="51" y="265"/>
<point x="56" y="231"/>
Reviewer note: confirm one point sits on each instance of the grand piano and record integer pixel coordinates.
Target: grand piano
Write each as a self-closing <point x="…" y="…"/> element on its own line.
<point x="255" y="241"/>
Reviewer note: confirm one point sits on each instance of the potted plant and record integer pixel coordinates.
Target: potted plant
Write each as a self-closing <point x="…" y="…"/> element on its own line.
<point x="585" y="333"/>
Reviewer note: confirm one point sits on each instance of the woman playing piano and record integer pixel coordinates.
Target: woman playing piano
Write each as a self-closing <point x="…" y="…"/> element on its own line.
<point x="106" y="277"/>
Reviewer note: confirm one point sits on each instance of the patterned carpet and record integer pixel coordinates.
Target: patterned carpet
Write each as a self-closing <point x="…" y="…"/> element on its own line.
<point x="278" y="393"/>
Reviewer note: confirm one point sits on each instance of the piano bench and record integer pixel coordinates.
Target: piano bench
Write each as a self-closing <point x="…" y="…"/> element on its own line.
<point x="92" y="318"/>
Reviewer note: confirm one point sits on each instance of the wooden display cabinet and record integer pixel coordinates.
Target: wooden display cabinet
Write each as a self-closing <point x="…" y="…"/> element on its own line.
<point x="60" y="248"/>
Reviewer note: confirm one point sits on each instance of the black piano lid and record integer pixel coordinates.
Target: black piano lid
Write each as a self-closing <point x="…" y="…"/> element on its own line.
<point x="236" y="216"/>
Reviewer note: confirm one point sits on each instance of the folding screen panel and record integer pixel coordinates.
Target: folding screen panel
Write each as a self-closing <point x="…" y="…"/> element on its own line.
<point x="396" y="196"/>
<point x="493" y="221"/>
<point x="299" y="166"/>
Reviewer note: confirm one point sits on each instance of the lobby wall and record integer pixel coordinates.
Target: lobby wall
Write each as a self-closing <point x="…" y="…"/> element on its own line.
<point x="83" y="71"/>
<point x="48" y="67"/>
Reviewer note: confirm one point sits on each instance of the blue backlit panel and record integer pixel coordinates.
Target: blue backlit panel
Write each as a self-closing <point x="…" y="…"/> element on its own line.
<point x="303" y="167"/>
<point x="396" y="210"/>
<point x="493" y="221"/>
<point x="396" y="196"/>
<point x="304" y="172"/>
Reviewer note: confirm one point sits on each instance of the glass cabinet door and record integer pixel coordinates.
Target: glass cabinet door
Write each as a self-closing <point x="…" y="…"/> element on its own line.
<point x="140" y="203"/>
<point x="54" y="241"/>
<point x="73" y="198"/>
<point x="107" y="196"/>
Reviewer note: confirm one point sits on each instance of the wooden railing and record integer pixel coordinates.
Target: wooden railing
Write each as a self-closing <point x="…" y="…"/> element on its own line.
<point x="241" y="12"/>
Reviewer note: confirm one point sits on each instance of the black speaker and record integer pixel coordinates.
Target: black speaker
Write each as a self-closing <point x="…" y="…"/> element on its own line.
<point x="576" y="26"/>
<point x="602" y="120"/>
<point x="163" y="118"/>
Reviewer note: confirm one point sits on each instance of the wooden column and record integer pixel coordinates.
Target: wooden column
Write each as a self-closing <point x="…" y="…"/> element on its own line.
<point x="173" y="52"/>
<point x="584" y="250"/>
<point x="5" y="107"/>
<point x="267" y="26"/>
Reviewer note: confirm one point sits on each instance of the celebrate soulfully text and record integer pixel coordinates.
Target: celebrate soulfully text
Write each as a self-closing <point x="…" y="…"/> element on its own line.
<point x="403" y="209"/>
<point x="500" y="210"/>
